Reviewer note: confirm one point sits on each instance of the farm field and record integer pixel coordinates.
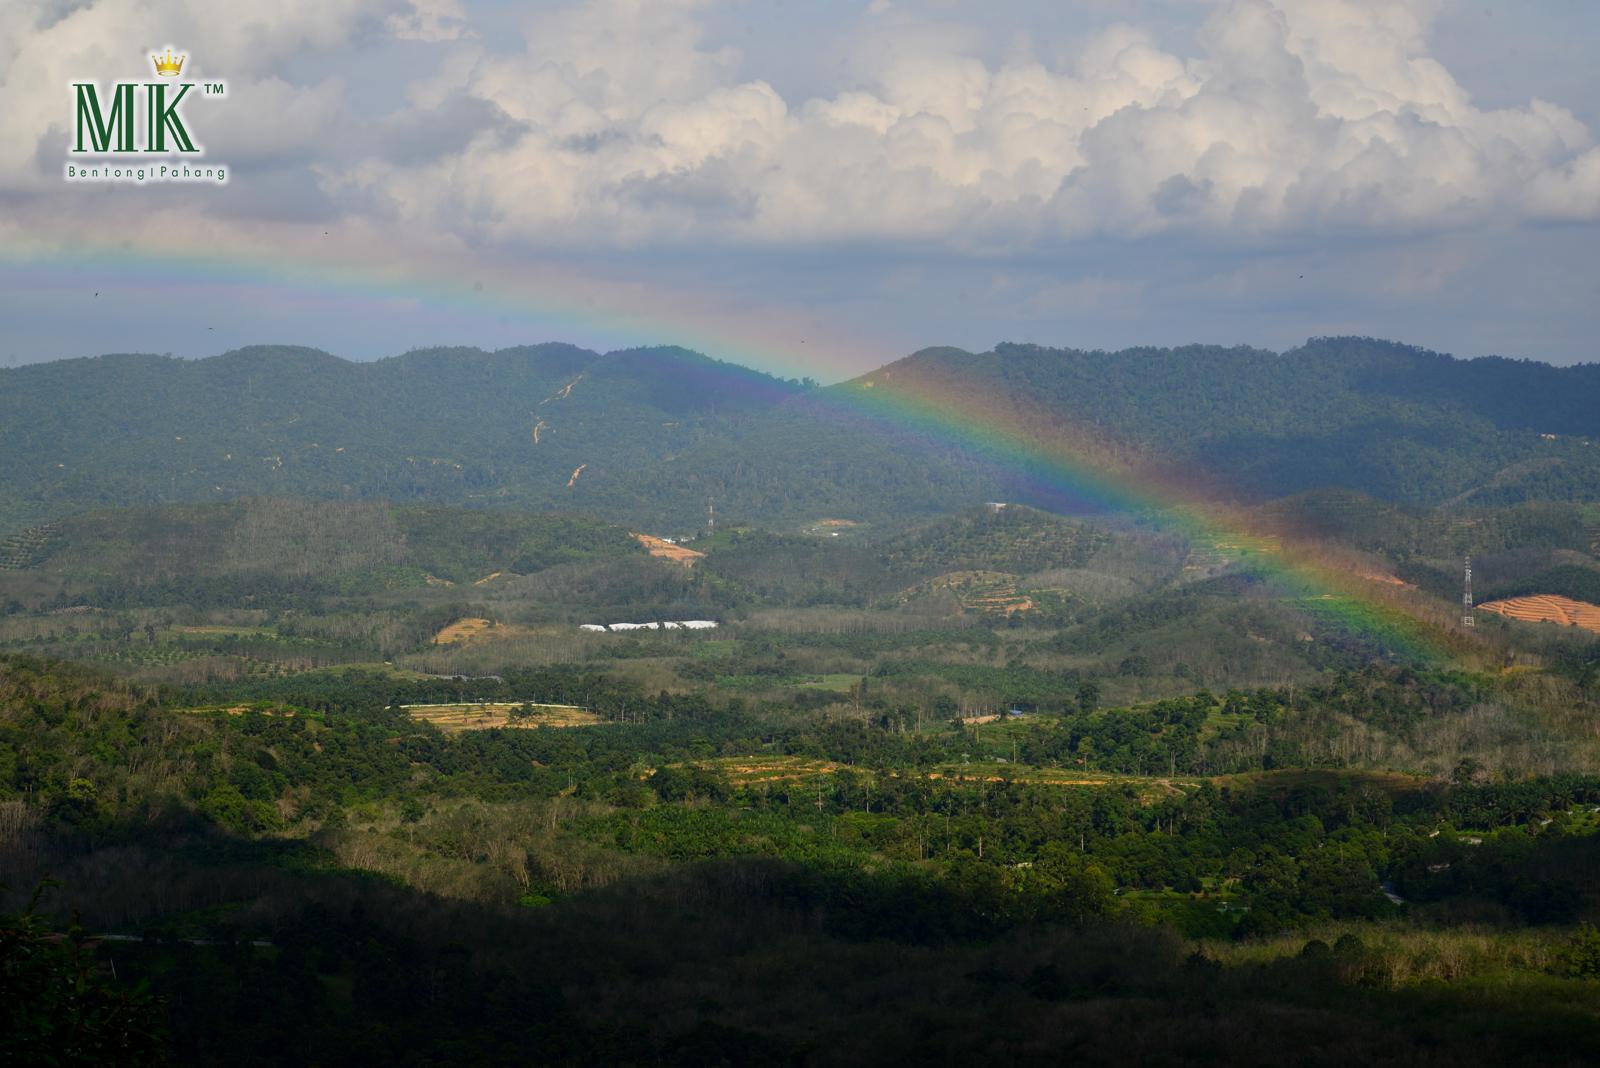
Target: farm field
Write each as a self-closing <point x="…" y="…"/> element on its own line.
<point x="758" y="770"/>
<point x="1148" y="787"/>
<point x="472" y="716"/>
<point x="985" y="592"/>
<point x="1548" y="608"/>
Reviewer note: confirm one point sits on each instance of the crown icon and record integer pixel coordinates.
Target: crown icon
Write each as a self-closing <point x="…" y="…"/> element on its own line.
<point x="167" y="66"/>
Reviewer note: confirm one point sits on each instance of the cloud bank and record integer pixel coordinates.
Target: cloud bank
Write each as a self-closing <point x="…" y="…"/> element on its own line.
<point x="1257" y="172"/>
<point x="615" y="123"/>
<point x="1290" y="116"/>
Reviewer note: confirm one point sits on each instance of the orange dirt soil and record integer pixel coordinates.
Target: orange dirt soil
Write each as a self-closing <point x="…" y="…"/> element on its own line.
<point x="1387" y="580"/>
<point x="1548" y="608"/>
<point x="462" y="630"/>
<point x="475" y="631"/>
<point x="563" y="393"/>
<point x="668" y="551"/>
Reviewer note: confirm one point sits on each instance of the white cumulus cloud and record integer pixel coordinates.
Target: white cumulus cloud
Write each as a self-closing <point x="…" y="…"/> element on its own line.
<point x="1286" y="116"/>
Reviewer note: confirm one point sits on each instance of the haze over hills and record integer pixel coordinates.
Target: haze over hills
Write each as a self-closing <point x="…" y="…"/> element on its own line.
<point x="649" y="435"/>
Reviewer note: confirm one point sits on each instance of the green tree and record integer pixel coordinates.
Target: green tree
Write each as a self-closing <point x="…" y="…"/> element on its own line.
<point x="1581" y="957"/>
<point x="58" y="1006"/>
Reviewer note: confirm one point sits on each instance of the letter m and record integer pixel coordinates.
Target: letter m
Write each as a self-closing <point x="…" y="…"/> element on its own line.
<point x="103" y="127"/>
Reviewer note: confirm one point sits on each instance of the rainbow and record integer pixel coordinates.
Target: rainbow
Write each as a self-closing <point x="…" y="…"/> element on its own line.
<point x="1058" y="462"/>
<point x="1089" y="469"/>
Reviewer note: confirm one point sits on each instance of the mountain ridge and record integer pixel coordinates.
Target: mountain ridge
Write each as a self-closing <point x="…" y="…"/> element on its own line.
<point x="650" y="435"/>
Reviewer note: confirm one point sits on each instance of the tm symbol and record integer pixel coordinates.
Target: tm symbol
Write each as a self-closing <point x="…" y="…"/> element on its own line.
<point x="215" y="88"/>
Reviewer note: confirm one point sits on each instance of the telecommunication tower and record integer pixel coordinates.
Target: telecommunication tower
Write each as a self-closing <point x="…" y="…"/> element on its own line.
<point x="1466" y="596"/>
<point x="711" y="517"/>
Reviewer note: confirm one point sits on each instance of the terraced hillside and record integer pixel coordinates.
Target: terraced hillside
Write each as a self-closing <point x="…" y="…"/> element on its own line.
<point x="1548" y="608"/>
<point x="992" y="593"/>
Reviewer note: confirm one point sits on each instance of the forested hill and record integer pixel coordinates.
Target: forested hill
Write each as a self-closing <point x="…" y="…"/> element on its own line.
<point x="1397" y="422"/>
<point x="648" y="435"/>
<point x="455" y="425"/>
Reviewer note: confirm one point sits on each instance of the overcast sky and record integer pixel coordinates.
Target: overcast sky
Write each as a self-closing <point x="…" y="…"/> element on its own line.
<point x="819" y="186"/>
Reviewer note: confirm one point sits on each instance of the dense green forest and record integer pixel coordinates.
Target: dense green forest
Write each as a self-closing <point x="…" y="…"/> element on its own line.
<point x="1392" y="421"/>
<point x="604" y="895"/>
<point x="657" y="432"/>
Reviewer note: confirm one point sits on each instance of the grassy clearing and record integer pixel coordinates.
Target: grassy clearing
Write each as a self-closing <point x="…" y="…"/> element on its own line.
<point x="242" y="709"/>
<point x="835" y="682"/>
<point x="1394" y="954"/>
<point x="1149" y="788"/>
<point x="753" y="770"/>
<point x="490" y="716"/>
<point x="776" y="768"/>
<point x="1389" y="782"/>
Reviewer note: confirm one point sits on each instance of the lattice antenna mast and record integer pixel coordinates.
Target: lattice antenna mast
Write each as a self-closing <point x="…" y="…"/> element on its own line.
<point x="1466" y="596"/>
<point x="711" y="517"/>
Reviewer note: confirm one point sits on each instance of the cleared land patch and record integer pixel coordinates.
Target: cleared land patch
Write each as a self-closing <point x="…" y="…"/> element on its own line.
<point x="749" y="770"/>
<point x="829" y="527"/>
<point x="475" y="631"/>
<point x="1548" y="608"/>
<point x="462" y="630"/>
<point x="666" y="550"/>
<point x="471" y="716"/>
<point x="237" y="710"/>
<point x="1148" y="787"/>
<point x="770" y="769"/>
<point x="988" y="592"/>
<point x="1299" y="780"/>
<point x="1386" y="580"/>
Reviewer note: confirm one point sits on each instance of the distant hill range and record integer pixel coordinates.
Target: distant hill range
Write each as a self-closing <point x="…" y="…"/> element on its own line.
<point x="650" y="436"/>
